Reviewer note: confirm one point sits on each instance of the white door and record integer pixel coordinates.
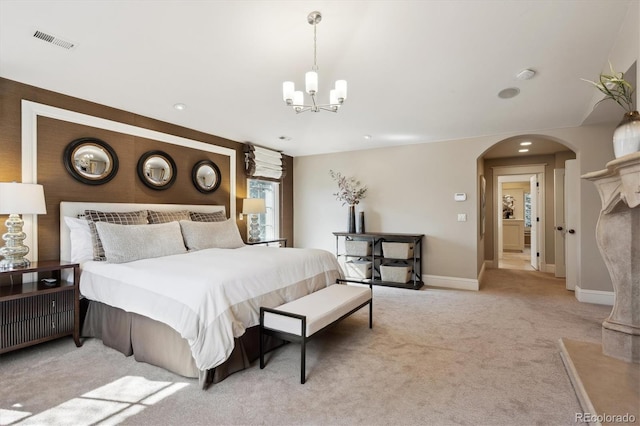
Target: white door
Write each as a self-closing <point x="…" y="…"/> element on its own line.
<point x="533" y="181"/>
<point x="559" y="225"/>
<point x="572" y="222"/>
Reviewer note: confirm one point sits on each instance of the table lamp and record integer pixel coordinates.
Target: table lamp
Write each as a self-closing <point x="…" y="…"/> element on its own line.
<point x="16" y="199"/>
<point x="254" y="207"/>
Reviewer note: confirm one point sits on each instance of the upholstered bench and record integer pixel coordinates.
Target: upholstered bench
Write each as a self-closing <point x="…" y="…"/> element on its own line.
<point x="303" y="318"/>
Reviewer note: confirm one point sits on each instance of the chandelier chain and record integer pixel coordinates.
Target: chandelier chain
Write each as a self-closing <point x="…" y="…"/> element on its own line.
<point x="315" y="48"/>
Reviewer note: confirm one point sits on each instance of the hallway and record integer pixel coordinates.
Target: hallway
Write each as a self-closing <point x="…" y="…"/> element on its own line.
<point x="515" y="260"/>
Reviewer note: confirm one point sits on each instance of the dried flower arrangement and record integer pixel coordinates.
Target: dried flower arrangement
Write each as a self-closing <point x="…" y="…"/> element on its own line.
<point x="350" y="190"/>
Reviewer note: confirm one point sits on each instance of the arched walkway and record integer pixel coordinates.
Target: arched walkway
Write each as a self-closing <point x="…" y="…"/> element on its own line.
<point x="539" y="246"/>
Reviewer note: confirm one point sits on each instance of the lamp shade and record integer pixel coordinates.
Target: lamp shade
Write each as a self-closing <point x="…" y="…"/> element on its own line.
<point x="22" y="198"/>
<point x="254" y="206"/>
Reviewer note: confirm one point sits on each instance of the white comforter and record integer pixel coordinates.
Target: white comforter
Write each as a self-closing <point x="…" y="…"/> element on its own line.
<point x="210" y="296"/>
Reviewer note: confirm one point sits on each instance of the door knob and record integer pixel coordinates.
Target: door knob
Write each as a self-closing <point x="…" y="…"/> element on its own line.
<point x="571" y="231"/>
<point x="559" y="228"/>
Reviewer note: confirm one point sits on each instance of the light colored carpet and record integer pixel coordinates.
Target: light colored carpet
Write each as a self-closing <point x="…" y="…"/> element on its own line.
<point x="434" y="356"/>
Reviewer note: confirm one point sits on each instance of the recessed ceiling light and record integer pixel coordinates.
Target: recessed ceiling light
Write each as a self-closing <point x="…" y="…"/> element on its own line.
<point x="367" y="137"/>
<point x="508" y="93"/>
<point x="525" y="143"/>
<point x="523" y="150"/>
<point x="525" y="74"/>
<point x="180" y="107"/>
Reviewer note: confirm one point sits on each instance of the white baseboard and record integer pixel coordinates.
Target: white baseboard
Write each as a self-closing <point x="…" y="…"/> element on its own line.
<point x="595" y="296"/>
<point x="451" y="282"/>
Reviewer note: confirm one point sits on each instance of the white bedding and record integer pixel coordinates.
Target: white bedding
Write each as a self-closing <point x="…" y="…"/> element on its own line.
<point x="210" y="296"/>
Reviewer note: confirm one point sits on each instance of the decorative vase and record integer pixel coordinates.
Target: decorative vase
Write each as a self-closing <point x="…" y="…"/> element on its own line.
<point x="352" y="219"/>
<point x="361" y="223"/>
<point x="626" y="137"/>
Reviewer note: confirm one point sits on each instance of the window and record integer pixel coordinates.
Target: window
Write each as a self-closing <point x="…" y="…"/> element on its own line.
<point x="527" y="210"/>
<point x="270" y="192"/>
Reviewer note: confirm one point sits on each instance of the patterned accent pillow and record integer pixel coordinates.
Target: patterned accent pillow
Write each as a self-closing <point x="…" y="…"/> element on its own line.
<point x="219" y="216"/>
<point x="164" y="217"/>
<point x="134" y="242"/>
<point x="203" y="235"/>
<point x="119" y="218"/>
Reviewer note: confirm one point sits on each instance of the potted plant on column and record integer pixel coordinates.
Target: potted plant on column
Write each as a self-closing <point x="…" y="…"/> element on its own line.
<point x="626" y="137"/>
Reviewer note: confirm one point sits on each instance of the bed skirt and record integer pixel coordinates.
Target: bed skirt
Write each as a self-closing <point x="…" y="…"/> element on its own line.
<point x="158" y="344"/>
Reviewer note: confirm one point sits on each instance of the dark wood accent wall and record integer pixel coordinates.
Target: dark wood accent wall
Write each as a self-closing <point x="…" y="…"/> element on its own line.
<point x="54" y="135"/>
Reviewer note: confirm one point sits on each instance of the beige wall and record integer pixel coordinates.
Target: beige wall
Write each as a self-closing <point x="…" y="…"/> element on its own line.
<point x="411" y="190"/>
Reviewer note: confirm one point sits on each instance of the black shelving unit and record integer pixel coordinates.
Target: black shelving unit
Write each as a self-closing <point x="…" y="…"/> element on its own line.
<point x="375" y="240"/>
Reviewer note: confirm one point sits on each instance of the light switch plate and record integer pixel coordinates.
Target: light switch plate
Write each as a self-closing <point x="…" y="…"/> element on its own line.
<point x="462" y="217"/>
<point x="460" y="196"/>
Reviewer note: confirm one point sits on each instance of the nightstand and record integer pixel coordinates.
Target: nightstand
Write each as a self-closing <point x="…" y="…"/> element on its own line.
<point x="283" y="241"/>
<point x="36" y="311"/>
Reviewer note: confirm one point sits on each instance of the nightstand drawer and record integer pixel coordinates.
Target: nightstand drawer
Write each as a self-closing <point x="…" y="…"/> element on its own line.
<point x="36" y="306"/>
<point x="17" y="333"/>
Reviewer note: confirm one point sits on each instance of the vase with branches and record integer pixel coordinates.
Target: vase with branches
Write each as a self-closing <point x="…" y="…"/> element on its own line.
<point x="350" y="192"/>
<point x="626" y="137"/>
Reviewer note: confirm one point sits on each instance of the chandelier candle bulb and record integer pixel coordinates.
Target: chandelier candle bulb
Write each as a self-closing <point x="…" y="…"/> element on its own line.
<point x="288" y="88"/>
<point x="311" y="82"/>
<point x="341" y="90"/>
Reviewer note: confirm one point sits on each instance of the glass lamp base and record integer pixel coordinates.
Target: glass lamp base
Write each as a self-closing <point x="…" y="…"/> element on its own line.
<point x="14" y="251"/>
<point x="254" y="229"/>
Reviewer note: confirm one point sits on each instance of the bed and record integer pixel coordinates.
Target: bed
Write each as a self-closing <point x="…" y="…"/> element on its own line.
<point x="193" y="312"/>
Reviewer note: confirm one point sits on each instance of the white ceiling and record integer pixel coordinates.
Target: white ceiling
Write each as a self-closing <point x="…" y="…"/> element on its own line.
<point x="418" y="71"/>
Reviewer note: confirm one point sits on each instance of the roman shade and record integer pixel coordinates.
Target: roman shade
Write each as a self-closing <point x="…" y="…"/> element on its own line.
<point x="263" y="163"/>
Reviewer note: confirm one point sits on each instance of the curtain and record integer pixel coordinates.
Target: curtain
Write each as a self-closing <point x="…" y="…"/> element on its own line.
<point x="263" y="163"/>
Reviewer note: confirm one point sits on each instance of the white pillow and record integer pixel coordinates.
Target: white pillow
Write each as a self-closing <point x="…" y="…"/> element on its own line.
<point x="203" y="235"/>
<point x="126" y="243"/>
<point x="81" y="242"/>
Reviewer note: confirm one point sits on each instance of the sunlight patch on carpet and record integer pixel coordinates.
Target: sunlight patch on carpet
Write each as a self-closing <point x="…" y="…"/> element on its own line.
<point x="108" y="404"/>
<point x="9" y="416"/>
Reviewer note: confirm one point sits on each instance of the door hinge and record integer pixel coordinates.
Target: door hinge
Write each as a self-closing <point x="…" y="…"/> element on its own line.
<point x="537" y="184"/>
<point x="537" y="219"/>
<point x="537" y="254"/>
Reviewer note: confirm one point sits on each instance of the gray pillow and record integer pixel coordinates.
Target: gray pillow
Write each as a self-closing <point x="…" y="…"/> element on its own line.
<point x="219" y="216"/>
<point x="122" y="218"/>
<point x="164" y="217"/>
<point x="134" y="242"/>
<point x="203" y="235"/>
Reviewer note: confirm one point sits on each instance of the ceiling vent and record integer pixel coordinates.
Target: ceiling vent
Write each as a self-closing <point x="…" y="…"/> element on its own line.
<point x="53" y="40"/>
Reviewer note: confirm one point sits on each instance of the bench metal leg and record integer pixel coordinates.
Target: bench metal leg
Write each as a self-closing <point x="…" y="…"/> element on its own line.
<point x="261" y="339"/>
<point x="303" y="345"/>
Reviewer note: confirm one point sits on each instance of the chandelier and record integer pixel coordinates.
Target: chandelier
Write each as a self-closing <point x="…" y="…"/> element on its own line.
<point x="295" y="98"/>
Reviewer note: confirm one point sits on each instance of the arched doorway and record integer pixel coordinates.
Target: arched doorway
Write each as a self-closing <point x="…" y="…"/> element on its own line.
<point x="532" y="238"/>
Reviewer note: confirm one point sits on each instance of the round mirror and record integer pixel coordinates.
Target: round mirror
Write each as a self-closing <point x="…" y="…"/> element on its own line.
<point x="206" y="176"/>
<point x="91" y="161"/>
<point x="157" y="170"/>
